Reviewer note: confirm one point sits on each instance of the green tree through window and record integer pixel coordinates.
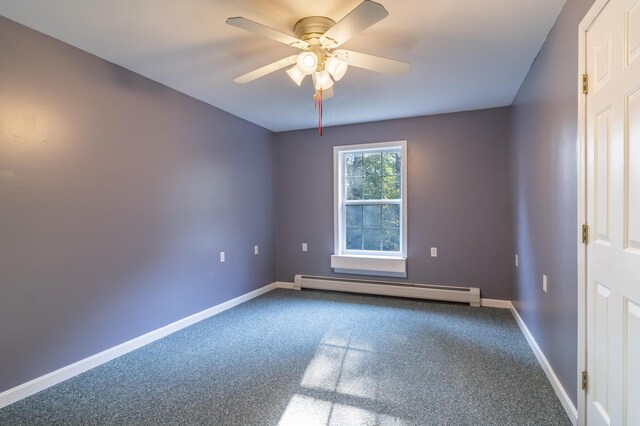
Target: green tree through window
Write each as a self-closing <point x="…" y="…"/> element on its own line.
<point x="373" y="199"/>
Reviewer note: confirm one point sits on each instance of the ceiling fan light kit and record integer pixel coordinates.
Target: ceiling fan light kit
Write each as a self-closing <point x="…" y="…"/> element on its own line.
<point x="318" y="36"/>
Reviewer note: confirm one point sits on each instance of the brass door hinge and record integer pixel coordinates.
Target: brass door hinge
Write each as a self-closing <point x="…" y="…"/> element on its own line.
<point x="585" y="84"/>
<point x="585" y="234"/>
<point x="585" y="380"/>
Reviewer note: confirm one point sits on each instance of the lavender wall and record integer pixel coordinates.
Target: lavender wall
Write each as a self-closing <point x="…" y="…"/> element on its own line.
<point x="459" y="197"/>
<point x="116" y="195"/>
<point x="544" y="169"/>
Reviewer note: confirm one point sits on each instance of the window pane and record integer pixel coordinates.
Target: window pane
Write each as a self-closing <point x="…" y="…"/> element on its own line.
<point x="373" y="164"/>
<point x="354" y="187"/>
<point x="354" y="238"/>
<point x="372" y="216"/>
<point x="371" y="238"/>
<point x="391" y="163"/>
<point x="391" y="187"/>
<point x="353" y="163"/>
<point x="391" y="239"/>
<point x="372" y="188"/>
<point x="354" y="216"/>
<point x="391" y="216"/>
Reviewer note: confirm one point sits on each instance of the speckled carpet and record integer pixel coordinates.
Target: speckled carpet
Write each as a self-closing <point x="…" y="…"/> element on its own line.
<point x="316" y="358"/>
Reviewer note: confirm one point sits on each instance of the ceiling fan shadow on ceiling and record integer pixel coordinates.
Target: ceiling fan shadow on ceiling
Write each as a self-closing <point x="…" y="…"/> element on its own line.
<point x="319" y="37"/>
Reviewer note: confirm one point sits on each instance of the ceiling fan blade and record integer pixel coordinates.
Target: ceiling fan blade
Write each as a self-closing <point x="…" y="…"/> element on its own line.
<point x="374" y="63"/>
<point x="263" y="30"/>
<point x="267" y="69"/>
<point x="359" y="19"/>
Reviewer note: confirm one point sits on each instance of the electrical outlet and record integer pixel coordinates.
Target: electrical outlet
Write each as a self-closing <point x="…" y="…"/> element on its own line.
<point x="222" y="257"/>
<point x="256" y="249"/>
<point x="544" y="283"/>
<point x="434" y="251"/>
<point x="516" y="260"/>
<point x="304" y="246"/>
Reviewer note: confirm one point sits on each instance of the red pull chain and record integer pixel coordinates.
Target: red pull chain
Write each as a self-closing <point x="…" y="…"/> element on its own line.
<point x="317" y="104"/>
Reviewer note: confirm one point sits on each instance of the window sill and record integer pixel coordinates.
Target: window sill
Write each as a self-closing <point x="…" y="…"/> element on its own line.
<point x="369" y="265"/>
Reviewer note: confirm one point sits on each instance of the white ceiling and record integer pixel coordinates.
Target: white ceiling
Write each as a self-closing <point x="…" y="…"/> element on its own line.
<point x="464" y="54"/>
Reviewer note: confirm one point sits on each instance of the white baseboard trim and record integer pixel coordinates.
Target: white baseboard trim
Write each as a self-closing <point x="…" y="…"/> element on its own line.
<point x="495" y="303"/>
<point x="283" y="284"/>
<point x="36" y="385"/>
<point x="568" y="406"/>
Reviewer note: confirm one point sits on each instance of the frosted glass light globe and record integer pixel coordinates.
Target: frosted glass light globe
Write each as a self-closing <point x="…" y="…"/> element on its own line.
<point x="336" y="67"/>
<point x="322" y="80"/>
<point x="296" y="74"/>
<point x="307" y="62"/>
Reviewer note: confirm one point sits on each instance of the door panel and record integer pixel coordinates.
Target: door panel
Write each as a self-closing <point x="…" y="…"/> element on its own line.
<point x="600" y="378"/>
<point x="632" y="170"/>
<point x="602" y="171"/>
<point x="632" y="361"/>
<point x="603" y="62"/>
<point x="632" y="32"/>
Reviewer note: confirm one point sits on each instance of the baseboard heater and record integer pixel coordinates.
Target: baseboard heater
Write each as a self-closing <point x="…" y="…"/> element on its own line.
<point x="470" y="295"/>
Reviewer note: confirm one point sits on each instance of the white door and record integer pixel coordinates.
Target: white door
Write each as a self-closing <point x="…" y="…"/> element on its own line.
<point x="613" y="215"/>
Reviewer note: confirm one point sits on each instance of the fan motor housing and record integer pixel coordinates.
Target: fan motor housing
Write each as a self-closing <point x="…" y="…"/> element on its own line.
<point x="312" y="27"/>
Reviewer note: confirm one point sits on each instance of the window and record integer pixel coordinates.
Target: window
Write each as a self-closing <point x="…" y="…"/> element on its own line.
<point x="370" y="209"/>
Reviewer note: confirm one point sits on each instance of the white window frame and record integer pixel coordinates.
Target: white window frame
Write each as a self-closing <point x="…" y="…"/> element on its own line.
<point x="363" y="261"/>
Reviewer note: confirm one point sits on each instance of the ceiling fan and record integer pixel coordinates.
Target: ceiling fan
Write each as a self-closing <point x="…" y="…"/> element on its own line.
<point x="318" y="37"/>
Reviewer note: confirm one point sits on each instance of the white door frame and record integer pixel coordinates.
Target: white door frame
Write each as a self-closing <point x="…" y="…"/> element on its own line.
<point x="584" y="26"/>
